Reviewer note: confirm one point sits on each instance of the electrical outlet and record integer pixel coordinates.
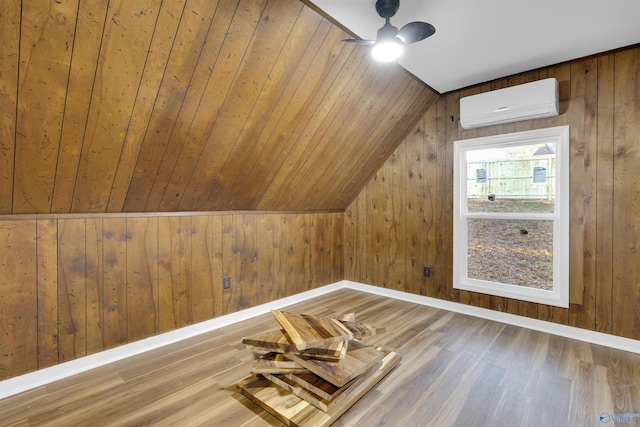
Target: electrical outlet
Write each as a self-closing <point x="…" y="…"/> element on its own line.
<point x="426" y="271"/>
<point x="226" y="283"/>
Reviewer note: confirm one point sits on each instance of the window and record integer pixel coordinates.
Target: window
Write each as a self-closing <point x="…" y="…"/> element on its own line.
<point x="511" y="228"/>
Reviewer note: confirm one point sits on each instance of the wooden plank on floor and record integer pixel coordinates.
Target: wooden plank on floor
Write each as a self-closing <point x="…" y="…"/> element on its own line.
<point x="359" y="359"/>
<point x="294" y="411"/>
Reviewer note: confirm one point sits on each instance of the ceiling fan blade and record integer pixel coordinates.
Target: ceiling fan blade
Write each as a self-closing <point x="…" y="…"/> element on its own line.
<point x="415" y="31"/>
<point x="359" y="41"/>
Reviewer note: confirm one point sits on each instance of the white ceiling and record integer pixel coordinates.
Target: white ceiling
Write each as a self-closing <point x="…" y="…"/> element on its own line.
<point x="481" y="40"/>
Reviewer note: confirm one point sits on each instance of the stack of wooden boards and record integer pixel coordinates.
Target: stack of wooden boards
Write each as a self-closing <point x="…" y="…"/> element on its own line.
<point x="314" y="369"/>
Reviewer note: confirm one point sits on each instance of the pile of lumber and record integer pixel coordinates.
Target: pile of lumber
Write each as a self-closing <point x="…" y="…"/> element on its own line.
<point x="314" y="368"/>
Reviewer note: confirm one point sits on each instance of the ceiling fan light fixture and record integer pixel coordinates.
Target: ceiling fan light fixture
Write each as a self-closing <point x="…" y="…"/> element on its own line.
<point x="387" y="50"/>
<point x="388" y="45"/>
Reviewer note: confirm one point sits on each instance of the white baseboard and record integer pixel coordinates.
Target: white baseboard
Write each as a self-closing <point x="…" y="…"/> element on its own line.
<point x="593" y="337"/>
<point x="44" y="376"/>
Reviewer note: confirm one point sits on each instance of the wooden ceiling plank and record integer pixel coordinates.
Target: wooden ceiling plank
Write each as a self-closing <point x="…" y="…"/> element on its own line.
<point x="356" y="118"/>
<point x="192" y="41"/>
<point x="47" y="35"/>
<point x="84" y="60"/>
<point x="332" y="99"/>
<point x="124" y="49"/>
<point x="269" y="38"/>
<point x="292" y="187"/>
<point x="155" y="67"/>
<point x="397" y="126"/>
<point x="365" y="117"/>
<point x="325" y="66"/>
<point x="9" y="59"/>
<point x="160" y="170"/>
<point x="172" y="180"/>
<point x="278" y="124"/>
<point x="249" y="142"/>
<point x="372" y="134"/>
<point x="190" y="105"/>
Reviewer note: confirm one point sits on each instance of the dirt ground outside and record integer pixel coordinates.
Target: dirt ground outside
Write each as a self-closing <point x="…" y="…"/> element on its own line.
<point x="518" y="252"/>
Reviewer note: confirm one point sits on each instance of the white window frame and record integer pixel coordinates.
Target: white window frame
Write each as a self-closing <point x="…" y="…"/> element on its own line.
<point x="559" y="295"/>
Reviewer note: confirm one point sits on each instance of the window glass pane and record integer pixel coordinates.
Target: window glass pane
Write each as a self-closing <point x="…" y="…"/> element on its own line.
<point x="517" y="252"/>
<point x="512" y="179"/>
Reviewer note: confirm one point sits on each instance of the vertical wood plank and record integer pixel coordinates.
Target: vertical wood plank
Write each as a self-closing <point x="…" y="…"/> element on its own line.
<point x="377" y="208"/>
<point x="415" y="189"/>
<point x="303" y="250"/>
<point x="238" y="278"/>
<point x="142" y="278"/>
<point x="72" y="289"/>
<point x="181" y="271"/>
<point x="626" y="205"/>
<point x="394" y="197"/>
<point x="169" y="314"/>
<point x="280" y="255"/>
<point x="49" y="336"/>
<point x="18" y="291"/>
<point x="249" y="265"/>
<point x="582" y="311"/>
<point x="577" y="181"/>
<point x="202" y="273"/>
<point x="292" y="282"/>
<point x="114" y="265"/>
<point x="318" y="244"/>
<point x="351" y="214"/>
<point x="336" y="248"/>
<point x="431" y="174"/>
<point x="604" y="194"/>
<point x="440" y="265"/>
<point x="216" y="263"/>
<point x="229" y="262"/>
<point x="362" y="249"/>
<point x="94" y="282"/>
<point x="267" y="258"/>
<point x="10" y="21"/>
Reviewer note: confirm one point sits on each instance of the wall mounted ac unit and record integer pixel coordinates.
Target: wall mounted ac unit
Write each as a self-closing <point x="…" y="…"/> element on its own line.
<point x="523" y="102"/>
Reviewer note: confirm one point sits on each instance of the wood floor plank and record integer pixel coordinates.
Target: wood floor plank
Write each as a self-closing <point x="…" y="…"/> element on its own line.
<point x="360" y="358"/>
<point x="455" y="370"/>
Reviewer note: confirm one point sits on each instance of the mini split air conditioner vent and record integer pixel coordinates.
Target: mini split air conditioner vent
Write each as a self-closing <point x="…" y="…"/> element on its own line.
<point x="523" y="102"/>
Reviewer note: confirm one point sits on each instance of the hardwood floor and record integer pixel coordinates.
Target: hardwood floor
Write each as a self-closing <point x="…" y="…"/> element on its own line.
<point x="457" y="370"/>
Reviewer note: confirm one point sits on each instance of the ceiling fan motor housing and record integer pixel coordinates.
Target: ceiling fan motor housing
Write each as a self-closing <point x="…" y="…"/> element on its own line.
<point x="387" y="8"/>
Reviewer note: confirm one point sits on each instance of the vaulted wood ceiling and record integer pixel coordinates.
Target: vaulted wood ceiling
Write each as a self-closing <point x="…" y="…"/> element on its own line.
<point x="190" y="105"/>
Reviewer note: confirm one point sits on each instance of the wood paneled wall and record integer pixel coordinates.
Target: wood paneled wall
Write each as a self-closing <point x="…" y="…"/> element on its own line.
<point x="74" y="286"/>
<point x="402" y="220"/>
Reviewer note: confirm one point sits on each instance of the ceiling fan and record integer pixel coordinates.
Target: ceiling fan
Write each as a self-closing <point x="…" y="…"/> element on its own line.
<point x="389" y="40"/>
